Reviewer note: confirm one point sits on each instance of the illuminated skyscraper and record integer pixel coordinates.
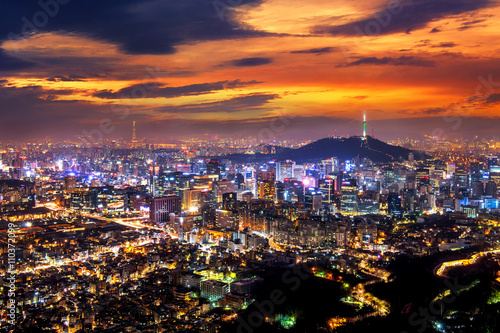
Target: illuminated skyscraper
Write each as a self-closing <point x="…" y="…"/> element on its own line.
<point x="70" y="184"/>
<point x="134" y="139"/>
<point x="160" y="208"/>
<point x="284" y="170"/>
<point x="349" y="199"/>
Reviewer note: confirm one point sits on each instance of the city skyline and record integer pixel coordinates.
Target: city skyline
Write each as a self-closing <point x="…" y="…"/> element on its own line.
<point x="243" y="166"/>
<point x="130" y="236"/>
<point x="230" y="70"/>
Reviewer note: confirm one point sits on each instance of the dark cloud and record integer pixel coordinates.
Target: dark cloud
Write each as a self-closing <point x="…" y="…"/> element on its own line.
<point x="316" y="50"/>
<point x="449" y="44"/>
<point x="317" y="127"/>
<point x="57" y="67"/>
<point x="431" y="111"/>
<point x="493" y="99"/>
<point x="401" y="61"/>
<point x="32" y="112"/>
<point x="424" y="42"/>
<point x="60" y="67"/>
<point x="409" y="15"/>
<point x="41" y="118"/>
<point x="10" y="63"/>
<point x="41" y="91"/>
<point x="455" y="55"/>
<point x="250" y="102"/>
<point x="155" y="89"/>
<point x="470" y="24"/>
<point x="137" y="26"/>
<point x="69" y="78"/>
<point x="435" y="30"/>
<point x="249" y="62"/>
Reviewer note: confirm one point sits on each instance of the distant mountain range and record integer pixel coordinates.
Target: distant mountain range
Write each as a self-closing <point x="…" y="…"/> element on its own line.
<point x="342" y="148"/>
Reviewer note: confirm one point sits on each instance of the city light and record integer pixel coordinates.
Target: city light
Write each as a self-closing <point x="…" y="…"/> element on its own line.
<point x="203" y="166"/>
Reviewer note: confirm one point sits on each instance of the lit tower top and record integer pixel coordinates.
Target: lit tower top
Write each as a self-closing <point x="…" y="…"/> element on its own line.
<point x="364" y="123"/>
<point x="133" y="132"/>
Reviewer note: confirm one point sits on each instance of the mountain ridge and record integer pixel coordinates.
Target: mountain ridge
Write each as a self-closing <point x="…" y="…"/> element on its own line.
<point x="341" y="148"/>
<point x="349" y="148"/>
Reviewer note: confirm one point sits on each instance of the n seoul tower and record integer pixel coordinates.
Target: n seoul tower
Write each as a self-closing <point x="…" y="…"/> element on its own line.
<point x="364" y="123"/>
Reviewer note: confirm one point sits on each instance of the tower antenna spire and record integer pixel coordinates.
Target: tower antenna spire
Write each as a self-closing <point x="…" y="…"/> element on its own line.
<point x="364" y="123"/>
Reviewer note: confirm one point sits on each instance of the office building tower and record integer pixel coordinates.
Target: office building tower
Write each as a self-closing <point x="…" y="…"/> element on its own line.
<point x="327" y="189"/>
<point x="213" y="290"/>
<point x="161" y="208"/>
<point x="284" y="170"/>
<point x="394" y="205"/>
<point x="349" y="199"/>
<point x="221" y="187"/>
<point x="294" y="191"/>
<point x="69" y="184"/>
<point x="266" y="190"/>
<point x="313" y="200"/>
<point x="491" y="189"/>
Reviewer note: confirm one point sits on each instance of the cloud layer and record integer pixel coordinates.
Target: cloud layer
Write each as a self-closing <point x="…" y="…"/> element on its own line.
<point x="187" y="68"/>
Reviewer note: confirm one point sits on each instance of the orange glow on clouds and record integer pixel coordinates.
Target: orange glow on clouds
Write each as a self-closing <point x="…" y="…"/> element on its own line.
<point x="329" y="82"/>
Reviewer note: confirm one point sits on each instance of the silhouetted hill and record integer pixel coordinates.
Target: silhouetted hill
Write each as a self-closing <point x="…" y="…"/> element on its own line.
<point x="348" y="148"/>
<point x="342" y="148"/>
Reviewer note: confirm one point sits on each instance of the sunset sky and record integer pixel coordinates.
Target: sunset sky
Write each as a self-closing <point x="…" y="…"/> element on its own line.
<point x="229" y="67"/>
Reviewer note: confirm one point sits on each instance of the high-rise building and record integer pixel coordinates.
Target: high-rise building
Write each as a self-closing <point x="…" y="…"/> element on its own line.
<point x="70" y="184"/>
<point x="367" y="205"/>
<point x="477" y="188"/>
<point x="284" y="170"/>
<point x="269" y="174"/>
<point x="492" y="160"/>
<point x="422" y="177"/>
<point x="160" y="208"/>
<point x="227" y="219"/>
<point x="154" y="172"/>
<point x="191" y="200"/>
<point x="229" y="200"/>
<point x="394" y="206"/>
<point x="221" y="187"/>
<point x="266" y="190"/>
<point x="213" y="290"/>
<point x="327" y="189"/>
<point x="328" y="166"/>
<point x="495" y="174"/>
<point x="246" y="286"/>
<point x="410" y="204"/>
<point x="491" y="189"/>
<point x="349" y="200"/>
<point x="280" y="192"/>
<point x="215" y="167"/>
<point x="313" y="200"/>
<point x="294" y="190"/>
<point x="461" y="177"/>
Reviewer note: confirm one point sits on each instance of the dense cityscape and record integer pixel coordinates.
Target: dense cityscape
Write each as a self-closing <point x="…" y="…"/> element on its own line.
<point x="249" y="166"/>
<point x="143" y="236"/>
